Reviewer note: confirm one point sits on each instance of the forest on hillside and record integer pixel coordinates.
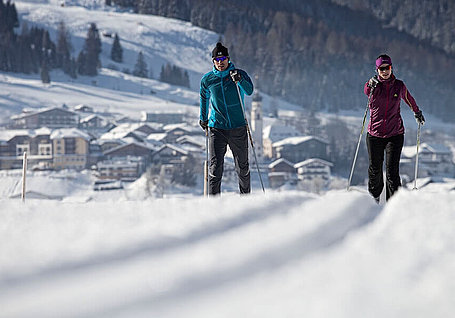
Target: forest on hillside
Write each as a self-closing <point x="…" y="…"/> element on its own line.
<point x="318" y="53"/>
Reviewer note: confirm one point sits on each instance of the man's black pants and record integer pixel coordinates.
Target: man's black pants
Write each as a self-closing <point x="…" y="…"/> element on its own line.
<point x="237" y="139"/>
<point x="376" y="147"/>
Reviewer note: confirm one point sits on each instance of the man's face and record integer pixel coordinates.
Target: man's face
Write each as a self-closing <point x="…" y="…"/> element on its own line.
<point x="221" y="63"/>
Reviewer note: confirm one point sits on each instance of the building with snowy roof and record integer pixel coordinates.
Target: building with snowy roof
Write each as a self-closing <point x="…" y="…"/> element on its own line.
<point x="36" y="142"/>
<point x="296" y="149"/>
<point x="313" y="168"/>
<point x="56" y="117"/>
<point x="163" y="116"/>
<point x="434" y="160"/>
<point x="281" y="171"/>
<point x="126" y="168"/>
<point x="274" y="133"/>
<point x="71" y="148"/>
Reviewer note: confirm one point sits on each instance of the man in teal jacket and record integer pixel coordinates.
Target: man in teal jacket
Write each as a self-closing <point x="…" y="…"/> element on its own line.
<point x="221" y="112"/>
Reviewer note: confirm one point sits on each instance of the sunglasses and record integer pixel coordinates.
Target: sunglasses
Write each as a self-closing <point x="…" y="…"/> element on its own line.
<point x="385" y="68"/>
<point x="220" y="59"/>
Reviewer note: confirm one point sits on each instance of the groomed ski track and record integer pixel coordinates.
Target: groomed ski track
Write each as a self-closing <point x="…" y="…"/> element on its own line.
<point x="257" y="256"/>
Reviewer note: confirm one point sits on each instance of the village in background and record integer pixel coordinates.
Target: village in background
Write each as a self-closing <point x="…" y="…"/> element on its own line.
<point x="168" y="150"/>
<point x="141" y="126"/>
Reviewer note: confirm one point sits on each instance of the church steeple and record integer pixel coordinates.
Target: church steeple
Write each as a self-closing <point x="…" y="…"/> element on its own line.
<point x="257" y="124"/>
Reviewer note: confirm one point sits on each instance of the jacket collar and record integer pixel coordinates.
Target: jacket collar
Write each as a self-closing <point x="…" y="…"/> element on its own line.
<point x="391" y="79"/>
<point x="225" y="72"/>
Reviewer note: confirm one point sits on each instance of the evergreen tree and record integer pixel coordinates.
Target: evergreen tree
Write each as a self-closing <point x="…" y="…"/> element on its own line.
<point x="140" y="69"/>
<point x="45" y="77"/>
<point x="80" y="63"/>
<point x="117" y="51"/>
<point x="73" y="68"/>
<point x="92" y="50"/>
<point x="174" y="75"/>
<point x="64" y="47"/>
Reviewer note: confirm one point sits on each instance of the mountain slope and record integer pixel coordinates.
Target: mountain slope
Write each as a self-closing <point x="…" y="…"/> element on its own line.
<point x="318" y="53"/>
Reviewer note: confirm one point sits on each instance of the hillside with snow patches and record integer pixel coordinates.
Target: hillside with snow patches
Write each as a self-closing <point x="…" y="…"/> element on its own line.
<point x="136" y="253"/>
<point x="161" y="40"/>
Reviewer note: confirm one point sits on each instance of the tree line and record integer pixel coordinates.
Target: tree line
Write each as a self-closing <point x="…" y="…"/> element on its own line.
<point x="318" y="53"/>
<point x="33" y="51"/>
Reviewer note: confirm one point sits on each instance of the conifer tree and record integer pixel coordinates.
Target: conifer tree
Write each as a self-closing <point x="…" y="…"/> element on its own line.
<point x="117" y="51"/>
<point x="140" y="69"/>
<point x="64" y="47"/>
<point x="92" y="50"/>
<point x="45" y="77"/>
<point x="80" y="63"/>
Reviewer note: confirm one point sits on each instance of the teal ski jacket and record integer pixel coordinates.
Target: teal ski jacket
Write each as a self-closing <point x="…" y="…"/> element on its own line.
<point x="219" y="95"/>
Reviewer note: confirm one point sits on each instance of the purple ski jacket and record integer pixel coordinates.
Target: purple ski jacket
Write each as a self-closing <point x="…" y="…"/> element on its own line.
<point x="385" y="117"/>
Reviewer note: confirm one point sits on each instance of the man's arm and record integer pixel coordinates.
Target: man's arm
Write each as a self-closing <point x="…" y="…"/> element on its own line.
<point x="204" y="97"/>
<point x="245" y="83"/>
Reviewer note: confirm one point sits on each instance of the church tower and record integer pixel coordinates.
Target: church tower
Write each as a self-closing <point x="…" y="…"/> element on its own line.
<point x="256" y="125"/>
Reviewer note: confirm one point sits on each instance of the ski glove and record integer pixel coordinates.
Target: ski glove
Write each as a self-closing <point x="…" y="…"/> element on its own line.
<point x="204" y="124"/>
<point x="372" y="82"/>
<point x="419" y="118"/>
<point x="236" y="77"/>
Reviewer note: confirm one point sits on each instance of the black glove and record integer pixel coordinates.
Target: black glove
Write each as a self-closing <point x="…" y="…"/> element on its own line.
<point x="419" y="118"/>
<point x="372" y="82"/>
<point x="204" y="124"/>
<point x="236" y="77"/>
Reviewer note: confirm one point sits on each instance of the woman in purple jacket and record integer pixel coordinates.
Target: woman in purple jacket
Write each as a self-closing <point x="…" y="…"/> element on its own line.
<point x="385" y="129"/>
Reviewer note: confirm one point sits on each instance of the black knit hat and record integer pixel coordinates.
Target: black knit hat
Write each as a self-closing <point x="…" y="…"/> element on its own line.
<point x="220" y="50"/>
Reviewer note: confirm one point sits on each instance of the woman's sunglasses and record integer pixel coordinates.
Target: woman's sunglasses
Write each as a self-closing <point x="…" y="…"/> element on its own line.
<point x="385" y="68"/>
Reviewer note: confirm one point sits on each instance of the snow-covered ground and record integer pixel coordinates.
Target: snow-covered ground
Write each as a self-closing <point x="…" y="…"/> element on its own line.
<point x="289" y="254"/>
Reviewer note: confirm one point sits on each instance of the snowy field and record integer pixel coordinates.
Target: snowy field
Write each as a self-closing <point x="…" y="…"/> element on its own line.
<point x="289" y="254"/>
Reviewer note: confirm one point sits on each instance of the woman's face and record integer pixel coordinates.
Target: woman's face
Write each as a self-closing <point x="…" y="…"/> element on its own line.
<point x="385" y="70"/>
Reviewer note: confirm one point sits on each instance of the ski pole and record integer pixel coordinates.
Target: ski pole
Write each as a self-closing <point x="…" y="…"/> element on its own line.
<point x="361" y="133"/>
<point x="249" y="135"/>
<point x="206" y="163"/>
<point x="417" y="158"/>
<point x="24" y="174"/>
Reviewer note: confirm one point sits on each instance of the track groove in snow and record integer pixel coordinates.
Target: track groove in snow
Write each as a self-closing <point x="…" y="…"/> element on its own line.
<point x="326" y="235"/>
<point x="156" y="246"/>
<point x="241" y="238"/>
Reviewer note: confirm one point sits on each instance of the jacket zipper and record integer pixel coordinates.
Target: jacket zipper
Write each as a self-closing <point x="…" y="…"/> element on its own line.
<point x="225" y="104"/>
<point x="386" y="108"/>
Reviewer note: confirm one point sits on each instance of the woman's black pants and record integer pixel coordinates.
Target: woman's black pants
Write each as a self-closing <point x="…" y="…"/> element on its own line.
<point x="392" y="147"/>
<point x="237" y="139"/>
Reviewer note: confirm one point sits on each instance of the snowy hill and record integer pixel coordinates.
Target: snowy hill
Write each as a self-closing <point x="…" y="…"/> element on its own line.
<point x="161" y="40"/>
<point x="275" y="255"/>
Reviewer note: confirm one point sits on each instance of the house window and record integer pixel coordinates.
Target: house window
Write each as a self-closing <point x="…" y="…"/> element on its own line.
<point x="44" y="149"/>
<point x="21" y="148"/>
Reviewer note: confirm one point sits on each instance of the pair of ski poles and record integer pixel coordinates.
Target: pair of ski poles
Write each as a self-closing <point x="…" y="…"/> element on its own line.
<point x="360" y="138"/>
<point x="206" y="166"/>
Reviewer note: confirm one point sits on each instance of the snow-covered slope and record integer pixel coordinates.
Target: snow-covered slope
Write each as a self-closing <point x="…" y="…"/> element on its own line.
<point x="160" y="39"/>
<point x="275" y="255"/>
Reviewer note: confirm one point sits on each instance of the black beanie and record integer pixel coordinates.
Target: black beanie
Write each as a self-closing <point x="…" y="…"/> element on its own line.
<point x="219" y="50"/>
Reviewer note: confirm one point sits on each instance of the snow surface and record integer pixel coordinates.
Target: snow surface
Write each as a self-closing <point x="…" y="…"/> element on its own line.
<point x="288" y="254"/>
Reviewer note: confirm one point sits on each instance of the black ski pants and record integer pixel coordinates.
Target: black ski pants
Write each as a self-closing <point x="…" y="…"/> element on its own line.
<point x="376" y="147"/>
<point x="237" y="139"/>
